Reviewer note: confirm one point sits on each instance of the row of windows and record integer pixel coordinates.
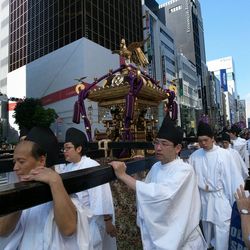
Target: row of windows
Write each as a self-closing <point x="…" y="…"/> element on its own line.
<point x="18" y="12"/>
<point x="188" y="69"/>
<point x="49" y="25"/>
<point x="176" y="8"/>
<point x="167" y="47"/>
<point x="189" y="80"/>
<point x="170" y="60"/>
<point x="187" y="90"/>
<point x="170" y="72"/>
<point x="14" y="26"/>
<point x="166" y="35"/>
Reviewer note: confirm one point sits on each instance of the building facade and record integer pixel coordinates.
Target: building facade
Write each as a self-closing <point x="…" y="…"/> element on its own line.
<point x="190" y="102"/>
<point x="40" y="27"/>
<point x="183" y="18"/>
<point x="242" y="112"/>
<point x="4" y="41"/>
<point x="4" y="65"/>
<point x="159" y="49"/>
<point x="216" y="103"/>
<point x="223" y="69"/>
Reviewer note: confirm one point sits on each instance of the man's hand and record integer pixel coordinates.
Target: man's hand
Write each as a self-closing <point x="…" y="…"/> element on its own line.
<point x="110" y="228"/>
<point x="41" y="174"/>
<point x="120" y="171"/>
<point x="243" y="201"/>
<point x="119" y="168"/>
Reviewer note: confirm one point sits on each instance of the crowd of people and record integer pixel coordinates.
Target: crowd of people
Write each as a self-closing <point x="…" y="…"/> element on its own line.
<point x="180" y="205"/>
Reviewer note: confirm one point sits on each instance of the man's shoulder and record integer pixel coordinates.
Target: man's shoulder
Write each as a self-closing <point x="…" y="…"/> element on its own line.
<point x="91" y="162"/>
<point x="197" y="153"/>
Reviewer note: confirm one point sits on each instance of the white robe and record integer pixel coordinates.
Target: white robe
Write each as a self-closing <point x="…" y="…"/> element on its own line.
<point x="239" y="162"/>
<point x="37" y="230"/>
<point x="168" y="205"/>
<point x="240" y="145"/>
<point x="99" y="200"/>
<point x="218" y="179"/>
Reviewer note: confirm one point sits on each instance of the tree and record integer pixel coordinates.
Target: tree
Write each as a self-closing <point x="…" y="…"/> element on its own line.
<point x="30" y="112"/>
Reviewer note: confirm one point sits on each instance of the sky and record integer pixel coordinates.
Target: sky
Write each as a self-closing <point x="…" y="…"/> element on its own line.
<point x="226" y="25"/>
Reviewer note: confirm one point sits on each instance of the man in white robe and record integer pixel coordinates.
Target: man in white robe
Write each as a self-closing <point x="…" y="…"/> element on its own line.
<point x="218" y="178"/>
<point x="98" y="199"/>
<point x="239" y="144"/>
<point x="60" y="224"/>
<point x="168" y="202"/>
<point x="235" y="155"/>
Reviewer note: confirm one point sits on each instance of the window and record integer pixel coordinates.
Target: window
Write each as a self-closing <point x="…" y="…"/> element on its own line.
<point x="167" y="35"/>
<point x="176" y="8"/>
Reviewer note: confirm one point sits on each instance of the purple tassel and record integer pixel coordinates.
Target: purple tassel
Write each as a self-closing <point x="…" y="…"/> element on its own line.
<point x="174" y="111"/>
<point x="77" y="114"/>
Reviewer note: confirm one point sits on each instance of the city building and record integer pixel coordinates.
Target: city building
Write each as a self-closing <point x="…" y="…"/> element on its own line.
<point x="190" y="103"/>
<point x="242" y="112"/>
<point x="216" y="103"/>
<point x="159" y="48"/>
<point x="39" y="28"/>
<point x="184" y="20"/>
<point x="4" y="41"/>
<point x="4" y="50"/>
<point x="223" y="69"/>
<point x="52" y="43"/>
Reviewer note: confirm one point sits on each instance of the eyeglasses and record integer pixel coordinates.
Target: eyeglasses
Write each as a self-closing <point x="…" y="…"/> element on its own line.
<point x="67" y="149"/>
<point x="162" y="143"/>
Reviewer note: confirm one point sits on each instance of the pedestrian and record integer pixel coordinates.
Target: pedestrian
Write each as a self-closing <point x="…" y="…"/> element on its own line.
<point x="239" y="144"/>
<point x="226" y="144"/>
<point x="218" y="178"/>
<point x="168" y="202"/>
<point x="59" y="224"/>
<point x="98" y="199"/>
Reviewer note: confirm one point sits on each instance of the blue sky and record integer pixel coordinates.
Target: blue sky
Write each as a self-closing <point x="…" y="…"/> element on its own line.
<point x="227" y="33"/>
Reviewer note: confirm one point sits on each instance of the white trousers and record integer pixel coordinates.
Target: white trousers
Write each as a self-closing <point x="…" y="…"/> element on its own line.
<point x="216" y="235"/>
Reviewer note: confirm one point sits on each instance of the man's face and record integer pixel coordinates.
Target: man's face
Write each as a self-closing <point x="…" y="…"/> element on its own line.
<point x="23" y="159"/>
<point x="232" y="135"/>
<point x="225" y="144"/>
<point x="206" y="142"/>
<point x="165" y="151"/>
<point x="71" y="154"/>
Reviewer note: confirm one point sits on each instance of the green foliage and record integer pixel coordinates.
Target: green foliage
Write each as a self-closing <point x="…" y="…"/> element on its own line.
<point x="30" y="113"/>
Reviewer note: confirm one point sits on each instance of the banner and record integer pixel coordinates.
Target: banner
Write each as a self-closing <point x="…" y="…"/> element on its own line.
<point x="223" y="79"/>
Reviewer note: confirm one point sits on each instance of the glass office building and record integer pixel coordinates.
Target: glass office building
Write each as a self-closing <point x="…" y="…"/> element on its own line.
<point x="40" y="27"/>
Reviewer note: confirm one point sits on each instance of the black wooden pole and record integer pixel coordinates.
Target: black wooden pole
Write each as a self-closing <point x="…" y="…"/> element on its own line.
<point x="22" y="195"/>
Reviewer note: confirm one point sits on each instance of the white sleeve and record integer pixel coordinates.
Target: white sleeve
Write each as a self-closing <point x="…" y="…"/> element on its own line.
<point x="13" y="240"/>
<point x="232" y="178"/>
<point x="53" y="239"/>
<point x="160" y="209"/>
<point x="101" y="201"/>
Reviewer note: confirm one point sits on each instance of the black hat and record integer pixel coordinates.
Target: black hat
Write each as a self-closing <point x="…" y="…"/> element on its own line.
<point x="23" y="131"/>
<point x="76" y="137"/>
<point x="235" y="129"/>
<point x="170" y="132"/>
<point x="47" y="141"/>
<point x="225" y="137"/>
<point x="204" y="130"/>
